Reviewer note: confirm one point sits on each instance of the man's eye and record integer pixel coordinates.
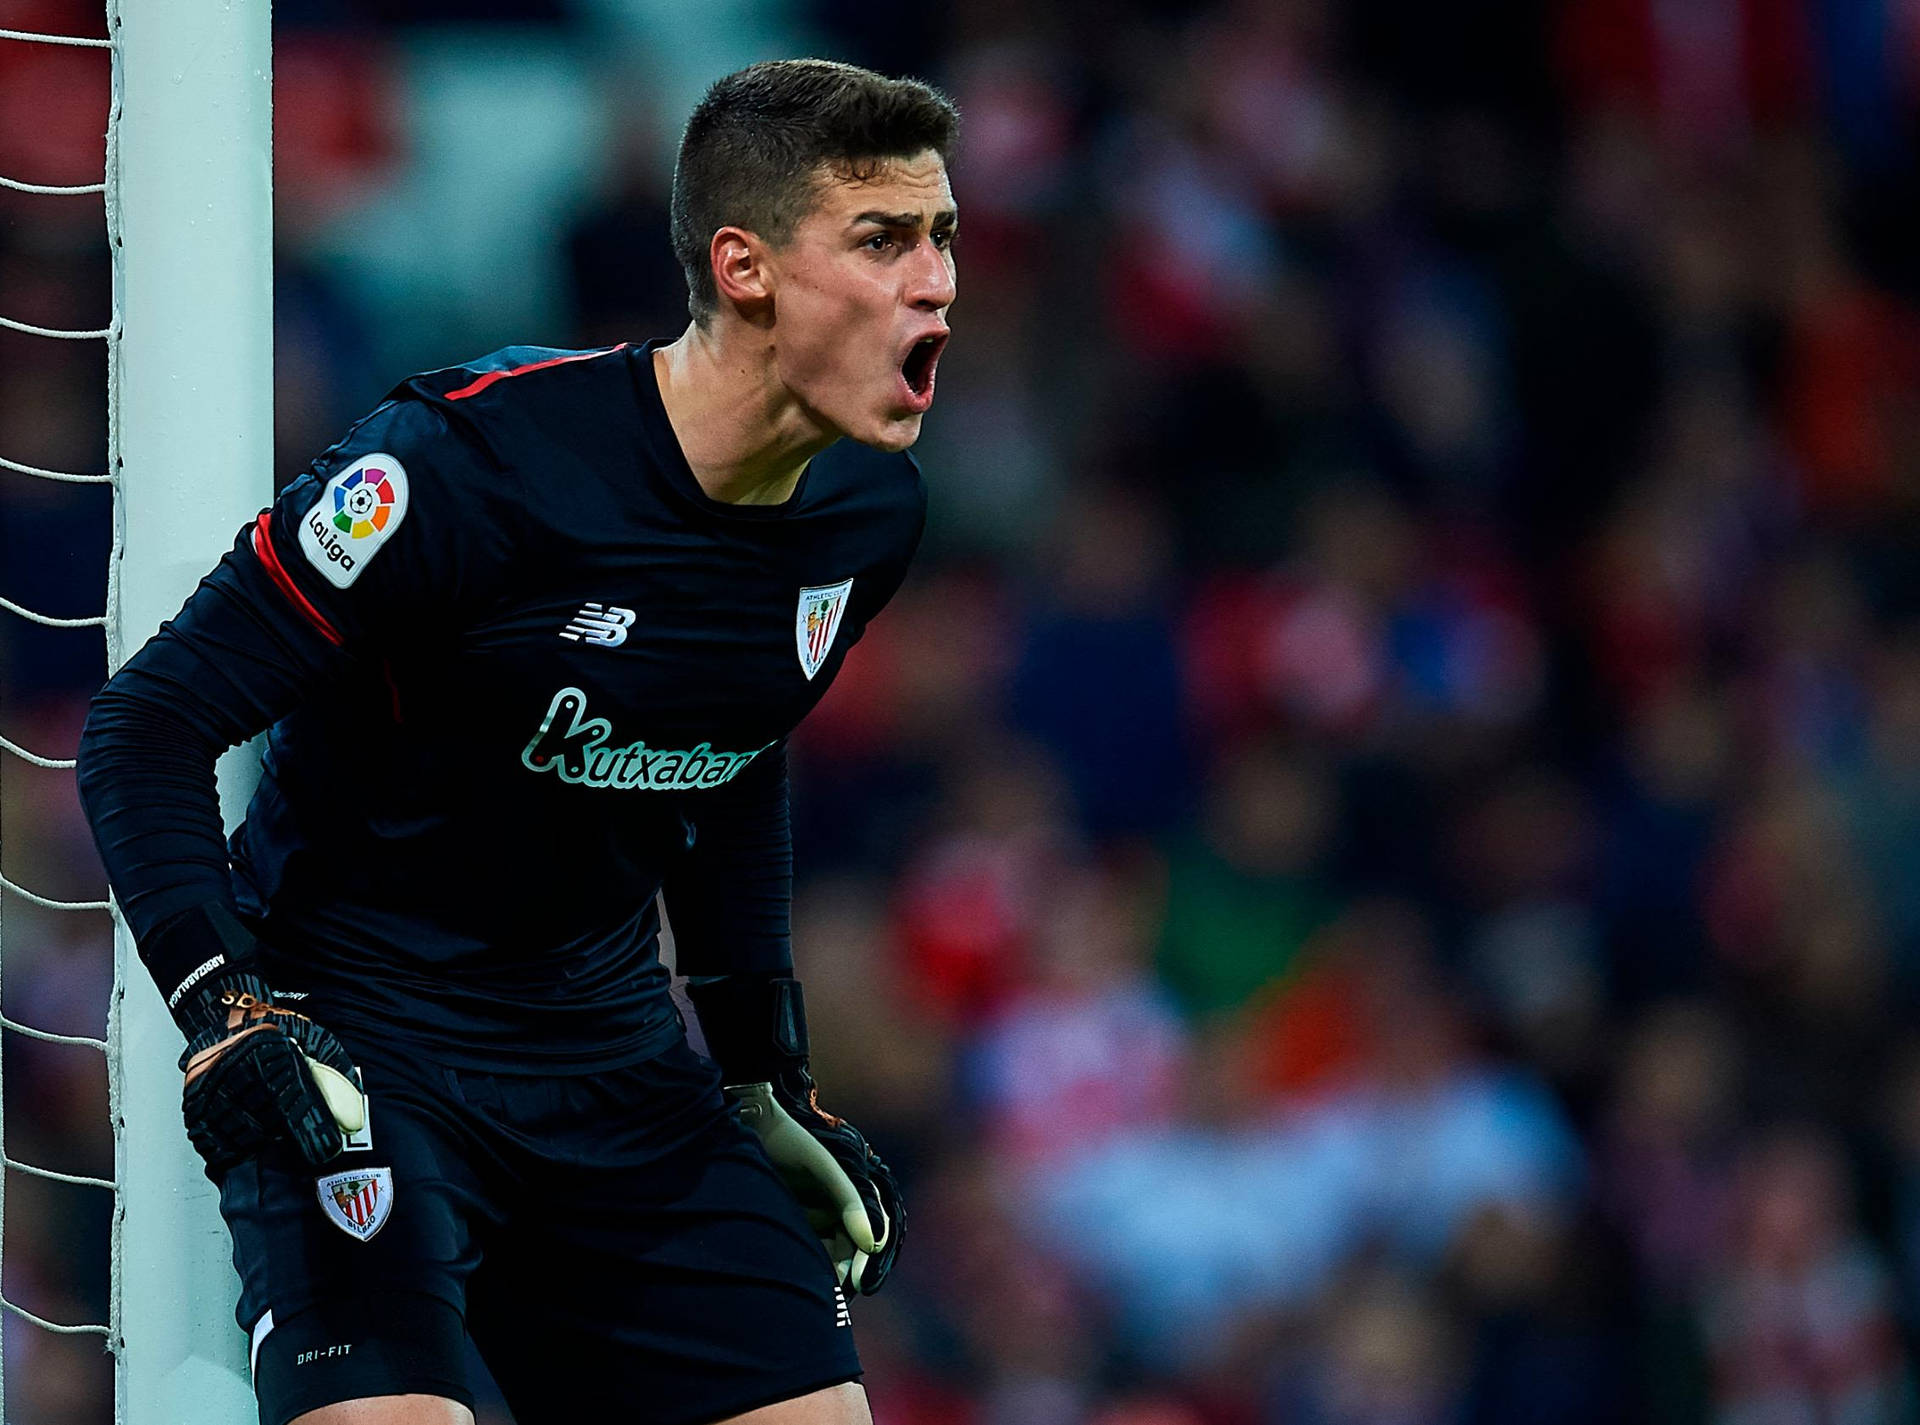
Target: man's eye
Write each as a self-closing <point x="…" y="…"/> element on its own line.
<point x="944" y="238"/>
<point x="881" y="239"/>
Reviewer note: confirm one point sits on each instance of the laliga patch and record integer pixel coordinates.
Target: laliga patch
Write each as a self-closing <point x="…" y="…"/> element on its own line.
<point x="356" y="513"/>
<point x="817" y="621"/>
<point x="357" y="1201"/>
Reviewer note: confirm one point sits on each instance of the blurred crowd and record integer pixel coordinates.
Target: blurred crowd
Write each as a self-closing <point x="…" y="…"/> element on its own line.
<point x="1367" y="878"/>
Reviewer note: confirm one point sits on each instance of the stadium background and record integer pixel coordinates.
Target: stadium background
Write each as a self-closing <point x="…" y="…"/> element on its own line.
<point x="1367" y="879"/>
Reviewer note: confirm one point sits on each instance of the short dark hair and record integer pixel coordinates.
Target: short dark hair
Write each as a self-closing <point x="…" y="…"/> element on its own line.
<point x="753" y="148"/>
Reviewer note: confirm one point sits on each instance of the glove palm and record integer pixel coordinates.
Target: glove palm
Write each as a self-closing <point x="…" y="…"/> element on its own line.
<point x="257" y="1073"/>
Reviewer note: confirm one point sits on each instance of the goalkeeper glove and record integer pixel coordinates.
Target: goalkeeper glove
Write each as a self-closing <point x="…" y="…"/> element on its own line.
<point x="756" y="1030"/>
<point x="256" y="1071"/>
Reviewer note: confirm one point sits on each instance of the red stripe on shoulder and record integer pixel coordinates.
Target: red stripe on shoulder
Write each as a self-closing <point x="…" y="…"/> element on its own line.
<point x="481" y="384"/>
<point x="269" y="556"/>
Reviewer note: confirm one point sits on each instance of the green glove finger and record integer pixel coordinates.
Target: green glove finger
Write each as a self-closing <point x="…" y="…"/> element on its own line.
<point x="343" y="1096"/>
<point x="854" y="1218"/>
<point x="856" y="1269"/>
<point x="793" y="1149"/>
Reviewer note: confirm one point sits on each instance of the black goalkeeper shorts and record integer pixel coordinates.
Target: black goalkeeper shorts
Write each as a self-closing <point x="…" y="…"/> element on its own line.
<point x="616" y="1244"/>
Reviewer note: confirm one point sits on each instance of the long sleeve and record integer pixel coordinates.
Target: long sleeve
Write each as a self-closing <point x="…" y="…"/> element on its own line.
<point x="228" y="665"/>
<point x="332" y="576"/>
<point x="730" y="897"/>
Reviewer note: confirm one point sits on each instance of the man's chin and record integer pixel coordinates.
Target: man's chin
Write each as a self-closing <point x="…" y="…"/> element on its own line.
<point x="893" y="435"/>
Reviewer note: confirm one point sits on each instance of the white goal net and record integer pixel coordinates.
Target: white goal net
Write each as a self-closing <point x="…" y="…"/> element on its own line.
<point x="187" y="193"/>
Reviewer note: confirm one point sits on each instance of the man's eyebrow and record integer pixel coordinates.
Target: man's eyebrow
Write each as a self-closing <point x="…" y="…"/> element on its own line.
<point x="945" y="218"/>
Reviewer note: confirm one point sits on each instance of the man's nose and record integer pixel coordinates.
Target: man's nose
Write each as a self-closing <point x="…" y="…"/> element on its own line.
<point x="933" y="285"/>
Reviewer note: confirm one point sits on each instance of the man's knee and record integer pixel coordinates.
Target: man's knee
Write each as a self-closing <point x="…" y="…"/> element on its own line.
<point x="843" y="1404"/>
<point x="390" y="1410"/>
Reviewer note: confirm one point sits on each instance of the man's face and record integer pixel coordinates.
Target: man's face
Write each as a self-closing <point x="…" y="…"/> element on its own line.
<point x="860" y="300"/>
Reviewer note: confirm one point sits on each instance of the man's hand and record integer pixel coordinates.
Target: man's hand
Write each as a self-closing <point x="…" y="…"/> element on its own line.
<point x="851" y="1200"/>
<point x="756" y="1030"/>
<point x="259" y="1073"/>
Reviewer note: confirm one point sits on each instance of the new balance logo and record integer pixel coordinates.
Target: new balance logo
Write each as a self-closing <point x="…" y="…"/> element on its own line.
<point x="597" y="623"/>
<point x="841" y="1316"/>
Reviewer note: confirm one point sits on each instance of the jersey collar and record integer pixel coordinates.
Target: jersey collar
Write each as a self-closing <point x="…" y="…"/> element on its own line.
<point x="671" y="460"/>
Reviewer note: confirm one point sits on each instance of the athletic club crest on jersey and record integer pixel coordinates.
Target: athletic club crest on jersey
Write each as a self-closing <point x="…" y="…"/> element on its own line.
<point x="817" y="621"/>
<point x="358" y="1201"/>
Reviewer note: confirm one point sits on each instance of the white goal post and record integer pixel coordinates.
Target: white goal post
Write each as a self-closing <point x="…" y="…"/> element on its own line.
<point x="189" y="215"/>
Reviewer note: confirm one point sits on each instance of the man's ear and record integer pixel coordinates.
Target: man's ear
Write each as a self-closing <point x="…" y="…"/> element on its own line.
<point x="740" y="274"/>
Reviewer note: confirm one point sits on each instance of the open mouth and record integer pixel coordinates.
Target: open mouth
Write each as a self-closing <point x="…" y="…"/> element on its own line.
<point x="917" y="369"/>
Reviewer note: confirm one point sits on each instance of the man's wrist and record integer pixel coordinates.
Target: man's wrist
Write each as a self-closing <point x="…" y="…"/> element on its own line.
<point x="219" y="1004"/>
<point x="187" y="949"/>
<point x="755" y="1025"/>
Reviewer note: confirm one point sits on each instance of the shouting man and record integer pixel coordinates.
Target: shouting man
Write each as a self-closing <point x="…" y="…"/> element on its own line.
<point x="530" y="641"/>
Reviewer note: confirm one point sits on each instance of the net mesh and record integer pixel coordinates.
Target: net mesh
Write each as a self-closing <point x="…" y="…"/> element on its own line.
<point x="10" y="750"/>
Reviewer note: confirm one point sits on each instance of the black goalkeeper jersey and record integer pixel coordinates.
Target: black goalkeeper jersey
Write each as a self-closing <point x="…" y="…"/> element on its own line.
<point x="522" y="675"/>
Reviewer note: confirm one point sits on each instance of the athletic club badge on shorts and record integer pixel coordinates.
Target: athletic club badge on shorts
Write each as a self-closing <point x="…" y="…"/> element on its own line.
<point x="817" y="621"/>
<point x="357" y="1202"/>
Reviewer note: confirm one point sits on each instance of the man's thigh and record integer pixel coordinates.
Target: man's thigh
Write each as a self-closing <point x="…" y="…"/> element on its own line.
<point x="353" y="1275"/>
<point x="844" y="1404"/>
<point x="678" y="1290"/>
<point x="390" y="1410"/>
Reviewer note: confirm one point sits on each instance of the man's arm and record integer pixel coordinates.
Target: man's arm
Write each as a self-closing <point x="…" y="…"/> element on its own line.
<point x="730" y="902"/>
<point x="233" y="661"/>
<point x="227" y="666"/>
<point x="730" y="896"/>
<point x="283" y="614"/>
<point x="280" y="617"/>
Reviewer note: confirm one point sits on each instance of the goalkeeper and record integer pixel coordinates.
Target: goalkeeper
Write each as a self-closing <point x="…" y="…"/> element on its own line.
<point x="530" y="641"/>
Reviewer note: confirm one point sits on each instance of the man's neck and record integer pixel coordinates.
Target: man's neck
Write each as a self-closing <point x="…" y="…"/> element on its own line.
<point x="744" y="435"/>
